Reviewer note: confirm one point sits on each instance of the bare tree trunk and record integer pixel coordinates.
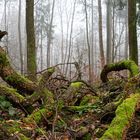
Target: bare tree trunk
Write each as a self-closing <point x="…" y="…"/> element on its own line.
<point x="113" y="33"/>
<point x="101" y="35"/>
<point x="41" y="50"/>
<point x="70" y="38"/>
<point x="20" y="40"/>
<point x="31" y="48"/>
<point x="50" y="35"/>
<point x="109" y="33"/>
<point x="126" y="34"/>
<point x="88" y="44"/>
<point x="62" y="39"/>
<point x="92" y="40"/>
<point x="132" y="26"/>
<point x="5" y="22"/>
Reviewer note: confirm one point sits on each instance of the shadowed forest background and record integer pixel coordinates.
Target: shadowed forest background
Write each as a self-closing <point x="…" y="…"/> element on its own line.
<point x="69" y="69"/>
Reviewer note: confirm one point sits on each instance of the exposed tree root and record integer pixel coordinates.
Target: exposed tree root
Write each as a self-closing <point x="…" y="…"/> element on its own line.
<point x="122" y="65"/>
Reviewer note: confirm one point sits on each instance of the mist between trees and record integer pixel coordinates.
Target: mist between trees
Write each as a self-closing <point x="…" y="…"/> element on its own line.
<point x="91" y="33"/>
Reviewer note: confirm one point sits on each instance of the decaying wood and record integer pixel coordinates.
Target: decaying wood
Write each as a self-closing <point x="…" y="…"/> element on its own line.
<point x="9" y="75"/>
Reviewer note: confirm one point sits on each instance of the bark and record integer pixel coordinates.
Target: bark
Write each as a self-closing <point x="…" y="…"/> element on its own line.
<point x="50" y="36"/>
<point x="101" y="35"/>
<point x="31" y="48"/>
<point x="132" y="30"/>
<point x="70" y="37"/>
<point x="19" y="39"/>
<point x="109" y="33"/>
<point x="88" y="44"/>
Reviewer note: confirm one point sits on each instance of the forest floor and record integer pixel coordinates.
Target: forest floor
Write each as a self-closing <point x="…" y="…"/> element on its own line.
<point x="55" y="108"/>
<point x="84" y="112"/>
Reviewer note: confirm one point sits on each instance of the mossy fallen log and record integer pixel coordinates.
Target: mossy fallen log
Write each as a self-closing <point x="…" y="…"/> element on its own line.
<point x="38" y="116"/>
<point x="124" y="115"/>
<point x="11" y="94"/>
<point x="122" y="65"/>
<point x="9" y="75"/>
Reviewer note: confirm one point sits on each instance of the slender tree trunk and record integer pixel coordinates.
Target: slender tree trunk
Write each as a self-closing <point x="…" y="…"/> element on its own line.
<point x="70" y="38"/>
<point x="20" y="40"/>
<point x="92" y="40"/>
<point x="113" y="33"/>
<point x="109" y="33"/>
<point x="50" y="35"/>
<point x="126" y="33"/>
<point x="88" y="44"/>
<point x="62" y="39"/>
<point x="41" y="49"/>
<point x="101" y="35"/>
<point x="132" y="27"/>
<point x="5" y="22"/>
<point x="31" y="49"/>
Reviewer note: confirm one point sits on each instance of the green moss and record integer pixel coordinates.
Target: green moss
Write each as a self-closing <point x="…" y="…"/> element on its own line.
<point x="40" y="131"/>
<point x="13" y="127"/>
<point x="60" y="124"/>
<point x="122" y="65"/>
<point x="48" y="97"/>
<point x="51" y="69"/>
<point x="3" y="59"/>
<point x="17" y="78"/>
<point x="124" y="114"/>
<point x="86" y="137"/>
<point x="76" y="84"/>
<point x="36" y="116"/>
<point x="23" y="137"/>
<point x="88" y="100"/>
<point x="131" y="65"/>
<point x="60" y="104"/>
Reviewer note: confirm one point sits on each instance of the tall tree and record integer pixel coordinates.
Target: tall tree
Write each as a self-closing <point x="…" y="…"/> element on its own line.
<point x="132" y="31"/>
<point x="88" y="44"/>
<point x="101" y="34"/>
<point x="50" y="35"/>
<point x="70" y="36"/>
<point x="31" y="49"/>
<point x="19" y="38"/>
<point x="109" y="32"/>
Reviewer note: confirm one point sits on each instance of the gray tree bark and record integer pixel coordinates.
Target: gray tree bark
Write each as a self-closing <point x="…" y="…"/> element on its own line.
<point x="109" y="32"/>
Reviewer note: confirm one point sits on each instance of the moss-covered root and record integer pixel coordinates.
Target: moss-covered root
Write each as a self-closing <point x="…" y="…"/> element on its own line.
<point x="124" y="114"/>
<point x="122" y="65"/>
<point x="14" y="79"/>
<point x="38" y="116"/>
<point x="11" y="94"/>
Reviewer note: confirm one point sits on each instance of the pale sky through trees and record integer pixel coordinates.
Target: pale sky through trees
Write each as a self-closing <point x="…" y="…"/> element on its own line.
<point x="64" y="8"/>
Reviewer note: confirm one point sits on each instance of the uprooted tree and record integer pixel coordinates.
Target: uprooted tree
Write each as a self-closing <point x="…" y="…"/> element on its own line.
<point x="56" y="107"/>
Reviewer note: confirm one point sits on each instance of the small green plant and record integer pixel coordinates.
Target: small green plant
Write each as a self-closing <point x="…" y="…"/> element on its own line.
<point x="6" y="108"/>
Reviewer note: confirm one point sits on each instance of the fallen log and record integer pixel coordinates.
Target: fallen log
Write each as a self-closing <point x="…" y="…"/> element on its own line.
<point x="13" y="78"/>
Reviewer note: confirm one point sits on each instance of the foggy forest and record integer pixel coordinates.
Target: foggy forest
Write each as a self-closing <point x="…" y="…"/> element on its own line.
<point x="69" y="70"/>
